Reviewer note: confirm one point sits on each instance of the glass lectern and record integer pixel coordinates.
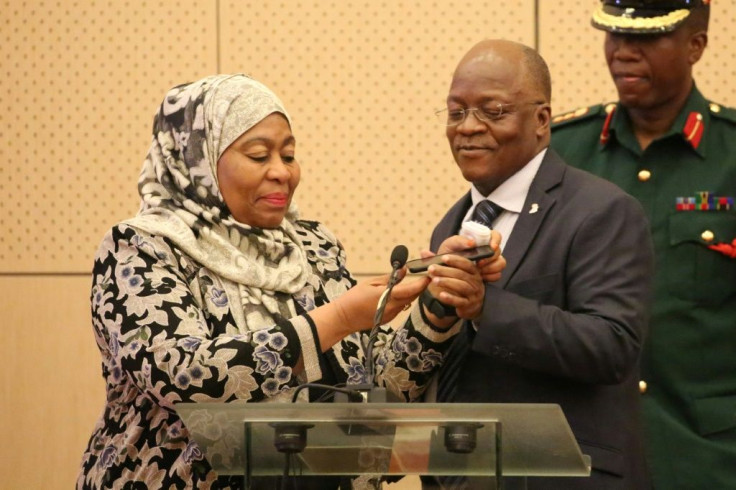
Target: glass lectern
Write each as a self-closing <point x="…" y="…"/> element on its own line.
<point x="476" y="439"/>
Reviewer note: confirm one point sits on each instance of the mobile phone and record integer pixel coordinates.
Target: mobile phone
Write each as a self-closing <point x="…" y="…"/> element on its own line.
<point x="474" y="254"/>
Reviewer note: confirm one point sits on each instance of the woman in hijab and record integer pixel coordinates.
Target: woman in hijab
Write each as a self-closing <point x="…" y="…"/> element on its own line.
<point x="217" y="291"/>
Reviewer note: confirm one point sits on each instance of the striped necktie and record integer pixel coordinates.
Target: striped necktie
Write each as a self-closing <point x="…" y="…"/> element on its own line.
<point x="485" y="213"/>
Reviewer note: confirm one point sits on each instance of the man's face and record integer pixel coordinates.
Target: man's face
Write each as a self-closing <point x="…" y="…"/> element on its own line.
<point x="650" y="71"/>
<point x="490" y="152"/>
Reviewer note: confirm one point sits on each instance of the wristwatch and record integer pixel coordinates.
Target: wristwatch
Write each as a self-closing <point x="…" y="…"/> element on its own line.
<point x="437" y="307"/>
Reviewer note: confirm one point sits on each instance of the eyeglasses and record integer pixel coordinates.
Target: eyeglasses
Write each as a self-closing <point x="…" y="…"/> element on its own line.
<point x="453" y="117"/>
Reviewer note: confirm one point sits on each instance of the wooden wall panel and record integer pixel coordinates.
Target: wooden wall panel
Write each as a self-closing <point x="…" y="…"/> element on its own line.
<point x="80" y="84"/>
<point x="51" y="383"/>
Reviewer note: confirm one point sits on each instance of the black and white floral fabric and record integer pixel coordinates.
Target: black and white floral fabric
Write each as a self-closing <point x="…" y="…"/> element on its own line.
<point x="188" y="305"/>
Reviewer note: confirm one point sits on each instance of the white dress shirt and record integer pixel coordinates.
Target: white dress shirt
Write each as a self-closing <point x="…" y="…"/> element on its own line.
<point x="510" y="195"/>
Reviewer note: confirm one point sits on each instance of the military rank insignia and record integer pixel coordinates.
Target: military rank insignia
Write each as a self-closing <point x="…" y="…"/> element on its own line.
<point x="704" y="201"/>
<point x="693" y="130"/>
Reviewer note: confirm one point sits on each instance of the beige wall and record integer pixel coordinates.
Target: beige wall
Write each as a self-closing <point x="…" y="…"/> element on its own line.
<point x="80" y="83"/>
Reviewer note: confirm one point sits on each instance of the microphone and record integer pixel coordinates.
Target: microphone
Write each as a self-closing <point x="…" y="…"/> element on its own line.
<point x="368" y="390"/>
<point x="398" y="259"/>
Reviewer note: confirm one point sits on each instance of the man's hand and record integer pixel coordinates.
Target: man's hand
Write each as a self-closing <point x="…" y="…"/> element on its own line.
<point x="458" y="283"/>
<point x="463" y="287"/>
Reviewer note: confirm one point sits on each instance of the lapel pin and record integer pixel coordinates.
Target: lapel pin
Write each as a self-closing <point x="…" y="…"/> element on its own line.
<point x="534" y="208"/>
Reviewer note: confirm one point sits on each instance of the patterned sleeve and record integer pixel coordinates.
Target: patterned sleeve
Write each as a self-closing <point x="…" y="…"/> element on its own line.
<point x="408" y="357"/>
<point x="151" y="329"/>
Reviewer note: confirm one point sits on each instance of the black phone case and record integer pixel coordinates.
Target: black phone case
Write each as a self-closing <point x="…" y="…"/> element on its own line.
<point x="474" y="254"/>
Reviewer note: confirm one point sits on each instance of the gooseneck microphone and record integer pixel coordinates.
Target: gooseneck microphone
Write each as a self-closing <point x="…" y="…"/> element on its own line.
<point x="367" y="389"/>
<point x="291" y="438"/>
<point x="398" y="258"/>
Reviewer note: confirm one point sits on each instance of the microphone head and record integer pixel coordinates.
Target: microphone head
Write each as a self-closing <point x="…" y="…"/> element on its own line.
<point x="399" y="256"/>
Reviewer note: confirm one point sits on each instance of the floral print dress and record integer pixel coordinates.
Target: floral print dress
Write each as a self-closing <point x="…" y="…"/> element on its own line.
<point x="170" y="331"/>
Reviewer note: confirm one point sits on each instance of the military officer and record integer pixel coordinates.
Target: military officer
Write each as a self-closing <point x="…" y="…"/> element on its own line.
<point x="673" y="149"/>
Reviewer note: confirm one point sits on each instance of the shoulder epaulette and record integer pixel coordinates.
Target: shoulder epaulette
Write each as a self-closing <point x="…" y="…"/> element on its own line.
<point x="722" y="112"/>
<point x="581" y="114"/>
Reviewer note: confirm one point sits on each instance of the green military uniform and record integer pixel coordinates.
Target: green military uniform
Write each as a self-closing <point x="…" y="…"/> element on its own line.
<point x="686" y="181"/>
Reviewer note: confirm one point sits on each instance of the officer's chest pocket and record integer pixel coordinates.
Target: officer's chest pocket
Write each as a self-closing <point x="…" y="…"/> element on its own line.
<point x="693" y="271"/>
<point x="714" y="415"/>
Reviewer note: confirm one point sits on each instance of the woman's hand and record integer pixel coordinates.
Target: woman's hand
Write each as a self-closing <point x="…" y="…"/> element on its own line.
<point x="403" y="293"/>
<point x="354" y="310"/>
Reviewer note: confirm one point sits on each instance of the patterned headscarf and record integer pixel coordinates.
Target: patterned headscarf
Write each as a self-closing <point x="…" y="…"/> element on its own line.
<point x="181" y="199"/>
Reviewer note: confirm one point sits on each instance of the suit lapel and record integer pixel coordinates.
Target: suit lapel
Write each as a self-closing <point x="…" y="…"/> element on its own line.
<point x="452" y="221"/>
<point x="538" y="204"/>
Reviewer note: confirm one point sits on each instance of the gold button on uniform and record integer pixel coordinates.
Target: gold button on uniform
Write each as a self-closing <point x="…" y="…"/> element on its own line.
<point x="642" y="387"/>
<point x="707" y="236"/>
<point x="644" y="175"/>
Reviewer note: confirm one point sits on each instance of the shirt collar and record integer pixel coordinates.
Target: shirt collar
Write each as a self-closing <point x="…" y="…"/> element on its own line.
<point x="690" y="125"/>
<point x="511" y="194"/>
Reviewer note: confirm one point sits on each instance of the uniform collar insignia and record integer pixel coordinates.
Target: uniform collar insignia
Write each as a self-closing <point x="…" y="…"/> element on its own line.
<point x="693" y="130"/>
<point x="606" y="132"/>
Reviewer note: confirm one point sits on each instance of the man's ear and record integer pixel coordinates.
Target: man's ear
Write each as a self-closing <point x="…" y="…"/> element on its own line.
<point x="696" y="46"/>
<point x="544" y="117"/>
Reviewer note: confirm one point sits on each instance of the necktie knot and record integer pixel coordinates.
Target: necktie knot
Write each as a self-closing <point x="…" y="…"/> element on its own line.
<point x="486" y="212"/>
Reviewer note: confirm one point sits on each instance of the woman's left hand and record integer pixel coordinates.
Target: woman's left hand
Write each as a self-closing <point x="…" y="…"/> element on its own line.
<point x="403" y="293"/>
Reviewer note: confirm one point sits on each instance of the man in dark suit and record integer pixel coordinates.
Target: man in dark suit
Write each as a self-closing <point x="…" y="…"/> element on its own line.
<point x="566" y="322"/>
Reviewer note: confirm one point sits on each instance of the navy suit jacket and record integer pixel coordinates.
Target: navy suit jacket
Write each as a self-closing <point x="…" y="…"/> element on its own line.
<point x="566" y="322"/>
